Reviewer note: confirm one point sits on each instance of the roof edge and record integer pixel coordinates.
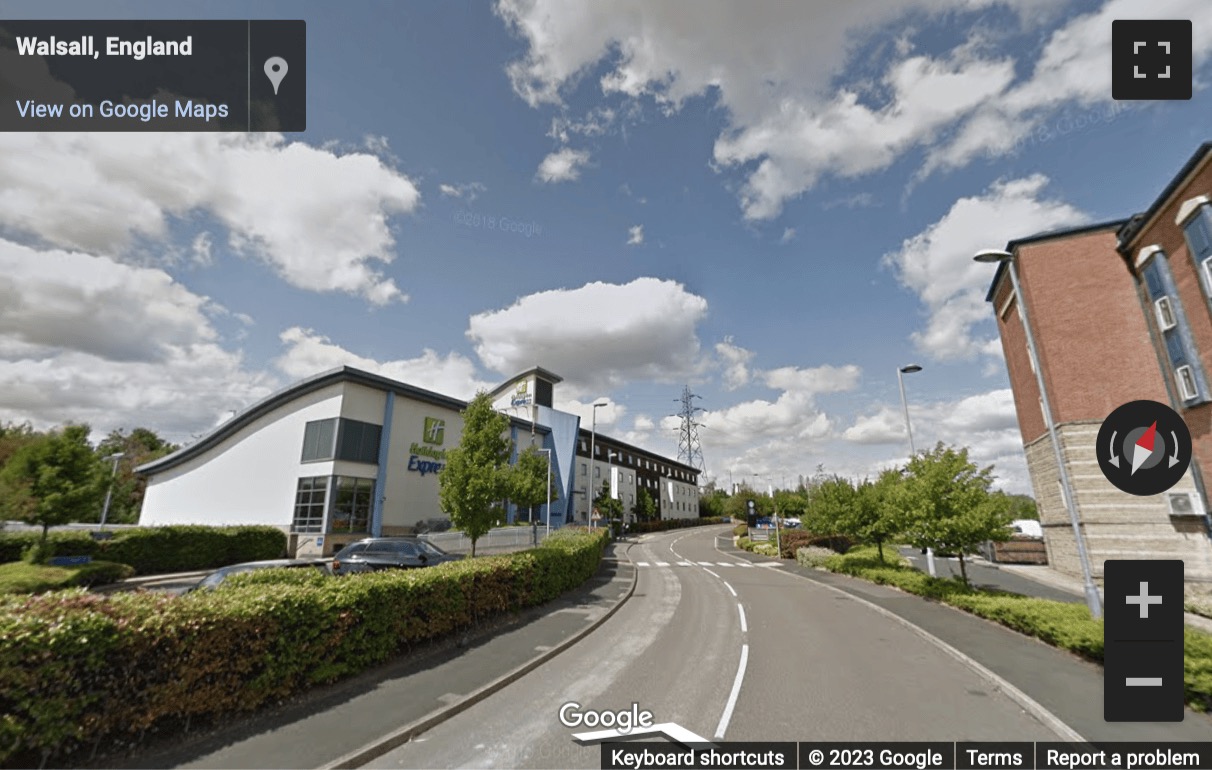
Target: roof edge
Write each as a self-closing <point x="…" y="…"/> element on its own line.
<point x="1047" y="235"/>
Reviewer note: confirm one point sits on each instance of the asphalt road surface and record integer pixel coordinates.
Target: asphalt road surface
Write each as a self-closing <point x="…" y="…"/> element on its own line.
<point x="731" y="651"/>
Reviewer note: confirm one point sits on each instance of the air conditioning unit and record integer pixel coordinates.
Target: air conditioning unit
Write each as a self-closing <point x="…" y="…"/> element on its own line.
<point x="1184" y="504"/>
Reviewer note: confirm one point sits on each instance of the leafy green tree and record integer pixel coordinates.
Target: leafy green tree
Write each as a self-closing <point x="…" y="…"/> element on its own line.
<point x="830" y="503"/>
<point x="872" y="518"/>
<point x="607" y="506"/>
<point x="528" y="481"/>
<point x="790" y="504"/>
<point x="476" y="477"/>
<point x="140" y="446"/>
<point x="737" y="506"/>
<point x="1016" y="506"/>
<point x="52" y="479"/>
<point x="946" y="505"/>
<point x="713" y="503"/>
<point x="13" y="436"/>
<point x="646" y="507"/>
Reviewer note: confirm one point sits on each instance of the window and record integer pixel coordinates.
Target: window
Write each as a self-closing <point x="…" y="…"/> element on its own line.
<point x="352" y="501"/>
<point x="1186" y="382"/>
<point x="597" y="472"/>
<point x="402" y="547"/>
<point x="309" y="505"/>
<point x="582" y="468"/>
<point x="318" y="437"/>
<point x="1207" y="263"/>
<point x="1165" y="313"/>
<point x="358" y="441"/>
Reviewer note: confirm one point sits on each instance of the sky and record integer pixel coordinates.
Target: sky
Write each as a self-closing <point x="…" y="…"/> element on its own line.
<point x="775" y="204"/>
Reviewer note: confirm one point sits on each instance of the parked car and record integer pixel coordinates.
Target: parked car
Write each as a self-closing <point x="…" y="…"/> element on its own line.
<point x="378" y="553"/>
<point x="214" y="579"/>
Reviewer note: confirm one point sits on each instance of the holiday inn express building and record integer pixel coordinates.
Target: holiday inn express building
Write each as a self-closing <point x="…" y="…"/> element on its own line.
<point x="347" y="454"/>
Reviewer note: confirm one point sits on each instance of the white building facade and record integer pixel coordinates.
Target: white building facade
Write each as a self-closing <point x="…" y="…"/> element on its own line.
<point x="348" y="454"/>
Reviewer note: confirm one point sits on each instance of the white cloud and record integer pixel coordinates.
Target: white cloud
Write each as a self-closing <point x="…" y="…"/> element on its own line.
<point x="788" y="235"/>
<point x="735" y="361"/>
<point x="937" y="263"/>
<point x="597" y="336"/>
<point x="635" y="235"/>
<point x="88" y="339"/>
<point x="820" y="379"/>
<point x="308" y="353"/>
<point x="200" y="249"/>
<point x="469" y="191"/>
<point x="777" y="71"/>
<point x="320" y="220"/>
<point x="608" y="416"/>
<point x="1074" y="69"/>
<point x="562" y="166"/>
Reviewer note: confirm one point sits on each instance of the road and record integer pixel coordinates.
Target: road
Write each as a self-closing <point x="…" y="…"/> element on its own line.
<point x="730" y="651"/>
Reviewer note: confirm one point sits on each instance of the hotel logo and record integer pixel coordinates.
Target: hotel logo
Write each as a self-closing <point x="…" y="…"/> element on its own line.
<point x="435" y="430"/>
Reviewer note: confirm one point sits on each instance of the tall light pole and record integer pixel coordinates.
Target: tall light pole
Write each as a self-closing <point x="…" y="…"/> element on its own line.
<point x="901" y="371"/>
<point x="593" y="433"/>
<point x="110" y="491"/>
<point x="1092" y="598"/>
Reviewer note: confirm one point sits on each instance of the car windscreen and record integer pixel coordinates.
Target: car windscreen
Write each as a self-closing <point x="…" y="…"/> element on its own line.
<point x="431" y="549"/>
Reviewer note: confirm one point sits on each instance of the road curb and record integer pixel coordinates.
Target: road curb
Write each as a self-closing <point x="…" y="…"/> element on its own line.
<point x="379" y="747"/>
<point x="1025" y="701"/>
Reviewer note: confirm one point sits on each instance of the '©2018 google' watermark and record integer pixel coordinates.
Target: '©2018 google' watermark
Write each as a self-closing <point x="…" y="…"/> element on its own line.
<point x="502" y="224"/>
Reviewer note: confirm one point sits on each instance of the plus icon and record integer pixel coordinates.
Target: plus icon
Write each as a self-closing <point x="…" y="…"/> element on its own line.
<point x="1151" y="59"/>
<point x="1144" y="600"/>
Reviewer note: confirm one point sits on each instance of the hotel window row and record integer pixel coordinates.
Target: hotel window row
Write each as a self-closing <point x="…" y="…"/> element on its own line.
<point x="1172" y="322"/>
<point x="348" y="508"/>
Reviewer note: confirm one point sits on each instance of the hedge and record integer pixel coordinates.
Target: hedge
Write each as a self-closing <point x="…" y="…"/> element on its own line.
<point x="160" y="549"/>
<point x="79" y="669"/>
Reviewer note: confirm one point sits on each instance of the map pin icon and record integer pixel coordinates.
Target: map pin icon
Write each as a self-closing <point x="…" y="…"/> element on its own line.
<point x="275" y="70"/>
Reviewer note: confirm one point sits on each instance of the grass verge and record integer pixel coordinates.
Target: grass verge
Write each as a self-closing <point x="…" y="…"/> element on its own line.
<point x="20" y="577"/>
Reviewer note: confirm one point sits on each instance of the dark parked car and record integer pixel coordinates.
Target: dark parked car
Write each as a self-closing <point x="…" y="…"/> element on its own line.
<point x="376" y="553"/>
<point x="212" y="581"/>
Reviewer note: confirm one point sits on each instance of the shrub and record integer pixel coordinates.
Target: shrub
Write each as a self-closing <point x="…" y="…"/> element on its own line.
<point x="65" y="542"/>
<point x="813" y="556"/>
<point x="745" y="544"/>
<point x="791" y="540"/>
<point x="38" y="553"/>
<point x="102" y="572"/>
<point x="77" y="668"/>
<point x="838" y="543"/>
<point x="740" y="530"/>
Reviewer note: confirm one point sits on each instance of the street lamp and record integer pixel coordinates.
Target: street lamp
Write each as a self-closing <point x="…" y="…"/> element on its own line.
<point x="901" y="371"/>
<point x="110" y="491"/>
<point x="548" y="516"/>
<point x="592" y="437"/>
<point x="997" y="256"/>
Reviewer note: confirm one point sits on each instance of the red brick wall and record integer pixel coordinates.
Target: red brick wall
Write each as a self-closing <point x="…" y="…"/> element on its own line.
<point x="1090" y="332"/>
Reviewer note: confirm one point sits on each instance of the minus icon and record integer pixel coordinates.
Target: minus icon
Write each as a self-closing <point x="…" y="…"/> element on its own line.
<point x="1143" y="681"/>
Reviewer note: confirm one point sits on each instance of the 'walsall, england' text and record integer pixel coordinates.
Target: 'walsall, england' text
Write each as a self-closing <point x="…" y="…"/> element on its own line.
<point x="114" y="46"/>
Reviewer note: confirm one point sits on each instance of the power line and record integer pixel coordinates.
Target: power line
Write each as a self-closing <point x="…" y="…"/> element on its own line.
<point x="690" y="451"/>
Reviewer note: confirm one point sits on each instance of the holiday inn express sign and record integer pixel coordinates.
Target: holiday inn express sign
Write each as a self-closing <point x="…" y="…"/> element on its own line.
<point x="426" y="457"/>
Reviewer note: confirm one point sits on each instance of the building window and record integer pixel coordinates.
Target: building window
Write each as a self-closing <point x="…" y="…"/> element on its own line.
<point x="597" y="472"/>
<point x="352" y="501"/>
<point x="318" y="440"/>
<point x="1186" y="382"/>
<point x="1207" y="263"/>
<point x="309" y="505"/>
<point x="358" y="441"/>
<point x="582" y="467"/>
<point x="1165" y="313"/>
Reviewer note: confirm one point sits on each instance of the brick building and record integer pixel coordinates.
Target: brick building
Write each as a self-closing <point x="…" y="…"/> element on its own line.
<point x="1095" y="351"/>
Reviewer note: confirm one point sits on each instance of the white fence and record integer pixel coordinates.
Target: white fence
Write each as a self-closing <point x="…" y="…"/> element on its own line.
<point x="499" y="540"/>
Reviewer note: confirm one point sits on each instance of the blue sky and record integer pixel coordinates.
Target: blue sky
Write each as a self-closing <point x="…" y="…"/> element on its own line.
<point x="775" y="203"/>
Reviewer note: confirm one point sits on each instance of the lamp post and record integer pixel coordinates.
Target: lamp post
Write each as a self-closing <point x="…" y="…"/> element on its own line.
<point x="548" y="516"/>
<point x="110" y="491"/>
<point x="593" y="432"/>
<point x="1092" y="598"/>
<point x="901" y="371"/>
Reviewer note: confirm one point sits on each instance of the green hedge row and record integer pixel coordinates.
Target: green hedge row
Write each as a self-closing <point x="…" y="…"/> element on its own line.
<point x="78" y="668"/>
<point x="151" y="550"/>
<point x="660" y="525"/>
<point x="1067" y="625"/>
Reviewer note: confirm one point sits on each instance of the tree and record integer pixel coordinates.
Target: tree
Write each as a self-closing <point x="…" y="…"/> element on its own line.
<point x="475" y="478"/>
<point x="646" y="507"/>
<point x="52" y="479"/>
<point x="829" y="507"/>
<point x="528" y="481"/>
<point x="141" y="446"/>
<point x="608" y="506"/>
<point x="713" y="503"/>
<point x="13" y="436"/>
<point x="1016" y="506"/>
<point x="872" y="519"/>
<point x="946" y="505"/>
